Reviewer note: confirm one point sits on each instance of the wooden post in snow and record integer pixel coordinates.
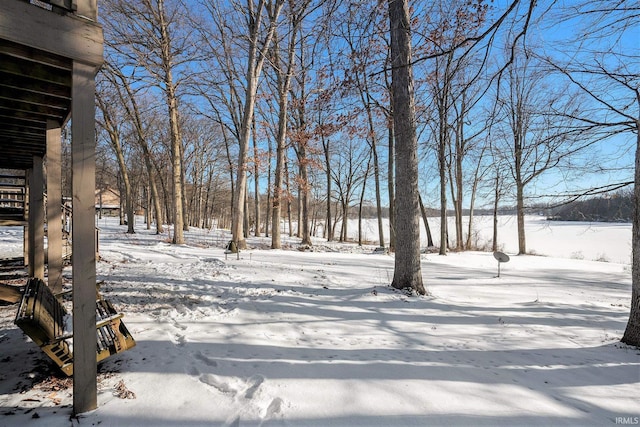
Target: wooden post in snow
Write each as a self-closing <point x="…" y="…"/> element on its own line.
<point x="83" y="149"/>
<point x="54" y="207"/>
<point x="36" y="219"/>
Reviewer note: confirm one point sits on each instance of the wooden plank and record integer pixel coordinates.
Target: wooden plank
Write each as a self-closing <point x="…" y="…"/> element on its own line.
<point x="54" y="207"/>
<point x="19" y="146"/>
<point x="32" y="97"/>
<point x="68" y="35"/>
<point x="35" y="86"/>
<point x="7" y="116"/>
<point x="12" y="222"/>
<point x="28" y="70"/>
<point x="34" y="110"/>
<point x="84" y="255"/>
<point x="29" y="134"/>
<point x="11" y="294"/>
<point x="17" y="50"/>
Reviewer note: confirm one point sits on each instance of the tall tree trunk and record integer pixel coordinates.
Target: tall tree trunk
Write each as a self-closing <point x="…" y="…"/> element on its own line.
<point x="304" y="178"/>
<point x="472" y="202"/>
<point x="364" y="188"/>
<point x="407" y="269"/>
<point x="391" y="190"/>
<point x="329" y="228"/>
<point x="458" y="181"/>
<point x="496" y="199"/>
<point x="426" y="222"/>
<point x="444" y="241"/>
<point x="276" y="211"/>
<point x="176" y="137"/>
<point x="278" y="179"/>
<point x="186" y="209"/>
<point x="299" y="209"/>
<point x="345" y="220"/>
<point x="148" y="209"/>
<point x="153" y="187"/>
<point x="443" y="95"/>
<point x="632" y="332"/>
<point x="472" y="199"/>
<point x="288" y="185"/>
<point x="230" y="163"/>
<point x="283" y="77"/>
<point x="237" y="221"/>
<point x="267" y="217"/>
<point x="335" y="219"/>
<point x="246" y="222"/>
<point x="522" y="243"/>
<point x="178" y="228"/>
<point x="168" y="213"/>
<point x="206" y="216"/>
<point x="254" y="69"/>
<point x="376" y="176"/>
<point x="371" y="139"/>
<point x="256" y="180"/>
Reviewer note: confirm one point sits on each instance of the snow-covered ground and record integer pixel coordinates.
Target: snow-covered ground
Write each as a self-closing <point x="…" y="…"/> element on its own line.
<point x="564" y="239"/>
<point x="291" y="338"/>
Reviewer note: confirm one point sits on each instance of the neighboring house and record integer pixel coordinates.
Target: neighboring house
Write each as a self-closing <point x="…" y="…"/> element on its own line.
<point x="108" y="201"/>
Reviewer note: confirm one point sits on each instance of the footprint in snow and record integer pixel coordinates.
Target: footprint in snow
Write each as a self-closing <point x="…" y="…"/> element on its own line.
<point x="206" y="359"/>
<point x="233" y="386"/>
<point x="254" y="384"/>
<point x="192" y="371"/>
<point x="275" y="407"/>
<point x="218" y="383"/>
<point x="179" y="325"/>
<point x="178" y="339"/>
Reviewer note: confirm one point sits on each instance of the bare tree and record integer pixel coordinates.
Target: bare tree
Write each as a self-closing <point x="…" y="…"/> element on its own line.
<point x="129" y="102"/>
<point x="259" y="37"/>
<point x="407" y="269"/>
<point x="326" y="124"/>
<point x="606" y="69"/>
<point x="232" y="80"/>
<point x="349" y="168"/>
<point x="301" y="136"/>
<point x="284" y="73"/>
<point x="541" y="130"/>
<point x="450" y="81"/>
<point x="147" y="34"/>
<point x="367" y="52"/>
<point x="110" y="121"/>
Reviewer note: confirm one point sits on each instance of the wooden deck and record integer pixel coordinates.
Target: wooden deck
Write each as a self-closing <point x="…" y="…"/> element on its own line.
<point x="50" y="51"/>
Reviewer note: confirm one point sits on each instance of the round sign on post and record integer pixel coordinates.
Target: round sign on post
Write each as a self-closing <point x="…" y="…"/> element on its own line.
<point x="501" y="257"/>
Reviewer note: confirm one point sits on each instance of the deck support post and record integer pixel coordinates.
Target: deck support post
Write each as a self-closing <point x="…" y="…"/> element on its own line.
<point x="83" y="149"/>
<point x="54" y="207"/>
<point x="36" y="219"/>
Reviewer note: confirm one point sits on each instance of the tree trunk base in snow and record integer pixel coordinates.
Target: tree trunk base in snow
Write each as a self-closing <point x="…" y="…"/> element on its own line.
<point x="632" y="335"/>
<point x="632" y="332"/>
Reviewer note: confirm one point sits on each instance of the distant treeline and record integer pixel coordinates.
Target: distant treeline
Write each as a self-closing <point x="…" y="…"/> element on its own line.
<point x="616" y="207"/>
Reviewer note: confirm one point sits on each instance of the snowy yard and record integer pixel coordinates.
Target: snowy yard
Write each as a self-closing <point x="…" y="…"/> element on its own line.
<point x="290" y="338"/>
